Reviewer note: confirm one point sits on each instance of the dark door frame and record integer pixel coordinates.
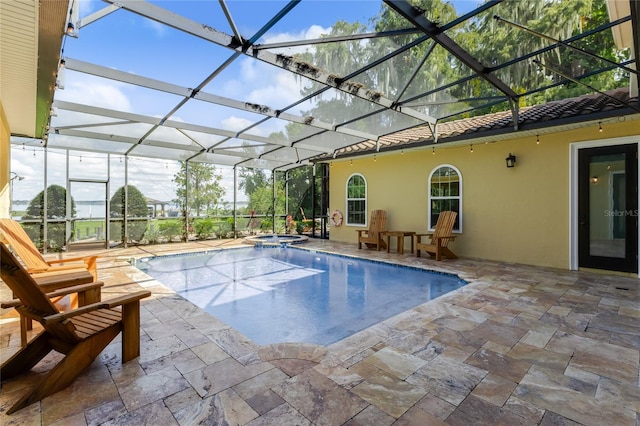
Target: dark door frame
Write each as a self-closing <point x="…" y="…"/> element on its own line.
<point x="574" y="220"/>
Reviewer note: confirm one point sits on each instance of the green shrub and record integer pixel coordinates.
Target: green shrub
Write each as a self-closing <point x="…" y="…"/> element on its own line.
<point x="136" y="230"/>
<point x="225" y="228"/>
<point x="152" y="234"/>
<point x="170" y="229"/>
<point x="204" y="228"/>
<point x="266" y="224"/>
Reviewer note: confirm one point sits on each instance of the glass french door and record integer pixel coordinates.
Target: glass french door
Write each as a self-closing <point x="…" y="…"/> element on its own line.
<point x="608" y="208"/>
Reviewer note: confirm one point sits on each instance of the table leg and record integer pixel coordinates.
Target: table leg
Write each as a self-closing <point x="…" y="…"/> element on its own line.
<point x="388" y="242"/>
<point x="400" y="244"/>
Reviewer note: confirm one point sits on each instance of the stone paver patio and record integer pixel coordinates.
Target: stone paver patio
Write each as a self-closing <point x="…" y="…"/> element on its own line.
<point x="518" y="345"/>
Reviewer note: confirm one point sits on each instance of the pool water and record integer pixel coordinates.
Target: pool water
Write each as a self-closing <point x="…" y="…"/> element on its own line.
<point x="286" y="294"/>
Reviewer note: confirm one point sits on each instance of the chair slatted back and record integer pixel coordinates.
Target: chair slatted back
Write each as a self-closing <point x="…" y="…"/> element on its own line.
<point x="444" y="228"/>
<point x="377" y="224"/>
<point x="36" y="304"/>
<point x="23" y="285"/>
<point x="22" y="245"/>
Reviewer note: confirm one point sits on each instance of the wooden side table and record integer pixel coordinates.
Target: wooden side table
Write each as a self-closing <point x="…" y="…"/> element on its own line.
<point x="400" y="239"/>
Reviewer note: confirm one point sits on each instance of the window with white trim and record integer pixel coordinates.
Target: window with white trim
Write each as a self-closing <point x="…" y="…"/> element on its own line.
<point x="445" y="193"/>
<point x="356" y="200"/>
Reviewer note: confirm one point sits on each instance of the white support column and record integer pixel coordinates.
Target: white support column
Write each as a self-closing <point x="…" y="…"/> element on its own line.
<point x="235" y="202"/>
<point x="125" y="226"/>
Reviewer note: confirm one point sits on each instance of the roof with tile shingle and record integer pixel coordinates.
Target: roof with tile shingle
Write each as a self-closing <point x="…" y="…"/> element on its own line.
<point x="583" y="108"/>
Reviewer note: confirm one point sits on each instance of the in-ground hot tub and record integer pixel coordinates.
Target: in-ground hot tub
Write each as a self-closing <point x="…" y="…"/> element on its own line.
<point x="275" y="239"/>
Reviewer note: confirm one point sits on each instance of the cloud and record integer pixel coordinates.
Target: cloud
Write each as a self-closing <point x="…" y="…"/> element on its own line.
<point x="261" y="83"/>
<point x="313" y="32"/>
<point x="84" y="89"/>
<point x="254" y="81"/>
<point x="157" y="27"/>
<point x="265" y="84"/>
<point x="277" y="89"/>
<point x="235" y="123"/>
<point x="28" y="167"/>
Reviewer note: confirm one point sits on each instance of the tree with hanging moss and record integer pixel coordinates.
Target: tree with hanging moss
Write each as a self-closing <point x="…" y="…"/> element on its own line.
<point x="421" y="71"/>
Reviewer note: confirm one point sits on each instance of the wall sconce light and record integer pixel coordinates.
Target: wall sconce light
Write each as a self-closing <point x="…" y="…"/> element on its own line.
<point x="511" y="160"/>
<point x="593" y="179"/>
<point x="70" y="28"/>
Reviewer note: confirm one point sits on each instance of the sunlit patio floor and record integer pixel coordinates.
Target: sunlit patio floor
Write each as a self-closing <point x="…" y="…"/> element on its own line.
<point x="518" y="345"/>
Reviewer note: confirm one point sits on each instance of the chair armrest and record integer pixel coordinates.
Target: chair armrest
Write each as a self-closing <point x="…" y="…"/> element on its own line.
<point x="419" y="237"/>
<point x="5" y="304"/>
<point x="107" y="304"/>
<point x="58" y="293"/>
<point x="75" y="289"/>
<point x="360" y="231"/>
<point x="50" y="281"/>
<point x="87" y="259"/>
<point x="438" y="239"/>
<point x="90" y="262"/>
<point x="71" y="267"/>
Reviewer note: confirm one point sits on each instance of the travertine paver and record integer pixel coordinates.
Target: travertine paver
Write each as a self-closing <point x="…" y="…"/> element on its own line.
<point x="518" y="345"/>
<point x="320" y="399"/>
<point x="390" y="394"/>
<point x="570" y="398"/>
<point x="494" y="389"/>
<point x="395" y="362"/>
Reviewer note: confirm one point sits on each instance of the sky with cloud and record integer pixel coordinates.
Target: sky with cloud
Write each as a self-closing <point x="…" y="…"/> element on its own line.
<point x="136" y="45"/>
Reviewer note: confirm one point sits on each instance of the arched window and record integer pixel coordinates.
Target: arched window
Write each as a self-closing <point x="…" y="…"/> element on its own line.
<point x="356" y="200"/>
<point x="445" y="193"/>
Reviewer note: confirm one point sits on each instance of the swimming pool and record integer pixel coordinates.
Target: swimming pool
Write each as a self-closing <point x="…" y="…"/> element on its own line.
<point x="287" y="294"/>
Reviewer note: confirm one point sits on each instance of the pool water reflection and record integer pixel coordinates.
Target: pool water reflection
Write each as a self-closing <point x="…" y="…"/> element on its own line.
<point x="287" y="294"/>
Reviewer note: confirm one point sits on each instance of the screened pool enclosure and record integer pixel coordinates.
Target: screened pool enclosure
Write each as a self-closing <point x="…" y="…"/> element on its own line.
<point x="153" y="121"/>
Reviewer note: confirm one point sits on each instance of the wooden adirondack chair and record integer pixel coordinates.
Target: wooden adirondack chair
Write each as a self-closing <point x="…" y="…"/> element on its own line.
<point x="35" y="263"/>
<point x="57" y="286"/>
<point x="80" y="334"/>
<point x="373" y="237"/>
<point x="440" y="238"/>
<point x="56" y="274"/>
